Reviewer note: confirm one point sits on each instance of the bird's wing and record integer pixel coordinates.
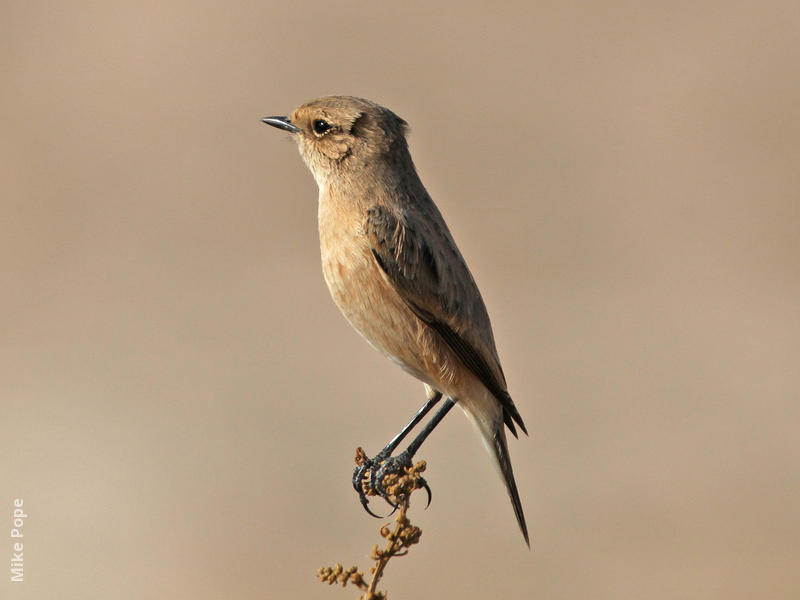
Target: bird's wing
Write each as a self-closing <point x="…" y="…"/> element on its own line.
<point x="423" y="265"/>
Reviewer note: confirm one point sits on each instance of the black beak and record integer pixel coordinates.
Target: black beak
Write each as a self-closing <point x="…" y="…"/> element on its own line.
<point x="281" y="123"/>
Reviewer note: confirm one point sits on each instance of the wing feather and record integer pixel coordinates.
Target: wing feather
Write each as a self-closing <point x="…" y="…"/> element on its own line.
<point x="440" y="291"/>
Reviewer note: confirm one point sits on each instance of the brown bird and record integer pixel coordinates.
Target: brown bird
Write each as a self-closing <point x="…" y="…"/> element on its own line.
<point x="398" y="277"/>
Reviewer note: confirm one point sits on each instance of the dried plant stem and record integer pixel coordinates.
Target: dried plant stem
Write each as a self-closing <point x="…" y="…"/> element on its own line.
<point x="399" y="486"/>
<point x="395" y="545"/>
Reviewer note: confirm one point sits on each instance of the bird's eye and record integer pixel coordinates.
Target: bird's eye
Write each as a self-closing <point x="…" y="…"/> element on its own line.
<point x="321" y="126"/>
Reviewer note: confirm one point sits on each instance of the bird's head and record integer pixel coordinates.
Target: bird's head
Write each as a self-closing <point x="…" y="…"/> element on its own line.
<point x="338" y="134"/>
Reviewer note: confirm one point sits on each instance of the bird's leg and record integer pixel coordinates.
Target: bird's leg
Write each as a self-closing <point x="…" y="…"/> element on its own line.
<point x="384" y="463"/>
<point x="393" y="464"/>
<point x="387" y="451"/>
<point x="372" y="464"/>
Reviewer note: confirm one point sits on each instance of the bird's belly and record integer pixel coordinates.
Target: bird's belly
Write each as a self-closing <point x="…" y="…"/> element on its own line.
<point x="375" y="310"/>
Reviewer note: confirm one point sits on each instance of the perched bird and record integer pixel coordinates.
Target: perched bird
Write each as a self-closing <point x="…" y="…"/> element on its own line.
<point x="398" y="277"/>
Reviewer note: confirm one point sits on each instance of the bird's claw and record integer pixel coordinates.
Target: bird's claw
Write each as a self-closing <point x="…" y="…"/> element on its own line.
<point x="427" y="489"/>
<point x="366" y="465"/>
<point x="370" y="474"/>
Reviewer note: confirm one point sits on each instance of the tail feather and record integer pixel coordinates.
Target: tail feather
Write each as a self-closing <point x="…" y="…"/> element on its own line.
<point x="486" y="415"/>
<point x="504" y="463"/>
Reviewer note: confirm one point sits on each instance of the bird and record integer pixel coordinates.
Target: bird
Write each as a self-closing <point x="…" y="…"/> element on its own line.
<point x="394" y="271"/>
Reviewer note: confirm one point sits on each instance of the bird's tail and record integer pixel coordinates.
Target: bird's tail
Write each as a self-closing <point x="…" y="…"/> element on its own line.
<point x="486" y="415"/>
<point x="503" y="463"/>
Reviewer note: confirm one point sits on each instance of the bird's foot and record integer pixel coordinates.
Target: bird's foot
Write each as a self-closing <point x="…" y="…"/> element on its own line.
<point x="390" y="477"/>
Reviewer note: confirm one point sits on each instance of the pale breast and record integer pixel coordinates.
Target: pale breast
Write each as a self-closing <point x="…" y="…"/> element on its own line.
<point x="368" y="302"/>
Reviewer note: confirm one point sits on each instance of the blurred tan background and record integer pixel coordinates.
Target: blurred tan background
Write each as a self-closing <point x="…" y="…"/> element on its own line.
<point x="180" y="399"/>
